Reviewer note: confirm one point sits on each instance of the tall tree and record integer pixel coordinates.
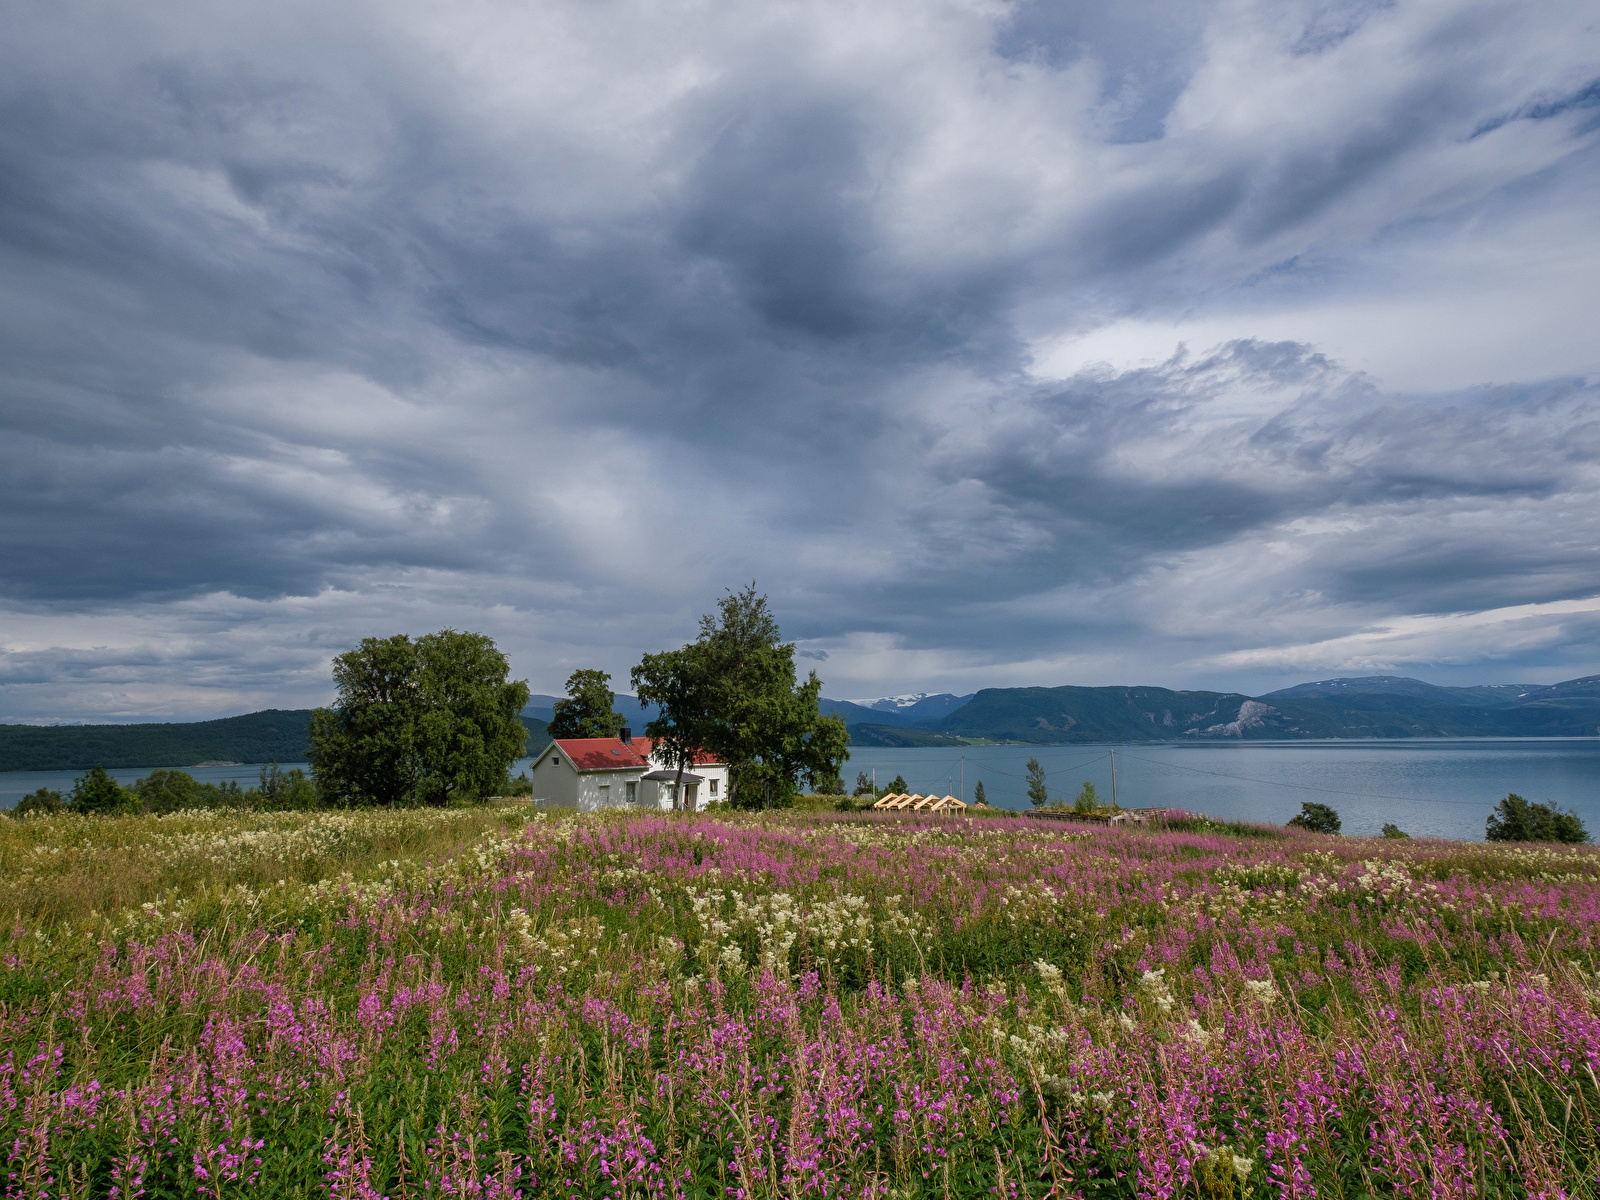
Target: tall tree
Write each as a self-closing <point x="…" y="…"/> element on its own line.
<point x="977" y="795"/>
<point x="677" y="683"/>
<point x="419" y="722"/>
<point x="732" y="693"/>
<point x="587" y="711"/>
<point x="1037" y="791"/>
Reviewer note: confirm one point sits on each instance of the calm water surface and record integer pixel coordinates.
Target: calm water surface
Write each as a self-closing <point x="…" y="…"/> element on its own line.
<point x="1430" y="788"/>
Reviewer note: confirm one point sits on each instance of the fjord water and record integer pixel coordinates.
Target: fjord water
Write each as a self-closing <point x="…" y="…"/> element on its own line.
<point x="1428" y="787"/>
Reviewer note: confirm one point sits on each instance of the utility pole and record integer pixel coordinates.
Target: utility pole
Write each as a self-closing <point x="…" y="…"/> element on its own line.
<point x="1113" y="779"/>
<point x="963" y="796"/>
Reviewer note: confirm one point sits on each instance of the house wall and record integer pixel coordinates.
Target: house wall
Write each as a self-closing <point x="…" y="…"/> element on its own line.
<point x="557" y="782"/>
<point x="554" y="780"/>
<point x="606" y="789"/>
<point x="660" y="794"/>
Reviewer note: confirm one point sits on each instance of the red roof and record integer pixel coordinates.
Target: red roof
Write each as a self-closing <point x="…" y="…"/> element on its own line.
<point x="611" y="754"/>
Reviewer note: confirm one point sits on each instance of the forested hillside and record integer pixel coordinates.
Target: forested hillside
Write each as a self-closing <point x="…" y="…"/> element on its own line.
<point x="276" y="735"/>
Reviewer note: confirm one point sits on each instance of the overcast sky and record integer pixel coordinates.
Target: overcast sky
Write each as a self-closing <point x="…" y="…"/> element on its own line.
<point x="1194" y="344"/>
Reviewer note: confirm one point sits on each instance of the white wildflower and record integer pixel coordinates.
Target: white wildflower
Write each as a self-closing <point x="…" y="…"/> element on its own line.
<point x="1264" y="990"/>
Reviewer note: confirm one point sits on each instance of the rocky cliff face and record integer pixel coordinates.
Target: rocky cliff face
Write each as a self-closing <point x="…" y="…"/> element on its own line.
<point x="1253" y="714"/>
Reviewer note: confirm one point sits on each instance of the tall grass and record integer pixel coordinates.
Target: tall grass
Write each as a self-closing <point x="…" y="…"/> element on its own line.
<point x="71" y="868"/>
<point x="800" y="1003"/>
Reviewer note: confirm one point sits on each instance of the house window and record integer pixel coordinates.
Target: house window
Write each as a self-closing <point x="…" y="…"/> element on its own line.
<point x="713" y="787"/>
<point x="672" y="794"/>
<point x="555" y="760"/>
<point x="633" y="793"/>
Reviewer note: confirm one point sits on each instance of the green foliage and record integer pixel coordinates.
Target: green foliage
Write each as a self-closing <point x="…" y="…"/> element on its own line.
<point x="1316" y="818"/>
<point x="41" y="801"/>
<point x="167" y="791"/>
<point x="1394" y="831"/>
<point x="1088" y="800"/>
<point x="863" y="785"/>
<point x="1037" y="791"/>
<point x="732" y="693"/>
<point x="977" y="794"/>
<point x="520" y="786"/>
<point x="587" y="712"/>
<point x="898" y="786"/>
<point x="824" y="785"/>
<point x="1518" y="820"/>
<point x="421" y="722"/>
<point x="284" y="791"/>
<point x="96" y="792"/>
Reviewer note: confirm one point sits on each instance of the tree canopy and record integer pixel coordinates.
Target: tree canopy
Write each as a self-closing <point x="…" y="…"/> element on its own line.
<point x="44" y="800"/>
<point x="96" y="792"/>
<point x="586" y="712"/>
<point x="733" y="694"/>
<point x="1317" y="818"/>
<point x="419" y="722"/>
<point x="1517" y="820"/>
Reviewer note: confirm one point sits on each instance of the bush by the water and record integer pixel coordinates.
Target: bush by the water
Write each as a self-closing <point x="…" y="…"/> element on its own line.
<point x="1316" y="818"/>
<point x="454" y="1002"/>
<point x="1517" y="820"/>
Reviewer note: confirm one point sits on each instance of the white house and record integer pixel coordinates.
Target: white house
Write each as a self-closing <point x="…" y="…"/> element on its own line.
<point x="621" y="772"/>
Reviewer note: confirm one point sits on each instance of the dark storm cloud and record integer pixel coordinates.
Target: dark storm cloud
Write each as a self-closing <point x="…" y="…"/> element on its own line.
<point x="366" y="320"/>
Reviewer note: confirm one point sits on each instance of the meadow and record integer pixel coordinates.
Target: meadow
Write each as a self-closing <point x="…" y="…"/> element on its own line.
<point x="488" y="1002"/>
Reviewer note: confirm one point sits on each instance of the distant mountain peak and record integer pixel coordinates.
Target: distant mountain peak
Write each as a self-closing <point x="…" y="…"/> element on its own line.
<point x="896" y="703"/>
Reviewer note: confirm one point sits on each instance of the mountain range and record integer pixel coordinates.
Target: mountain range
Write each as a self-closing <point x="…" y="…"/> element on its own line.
<point x="1375" y="706"/>
<point x="1378" y="706"/>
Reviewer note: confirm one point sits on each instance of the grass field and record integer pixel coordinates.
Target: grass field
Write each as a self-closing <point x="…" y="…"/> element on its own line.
<point x="463" y="1003"/>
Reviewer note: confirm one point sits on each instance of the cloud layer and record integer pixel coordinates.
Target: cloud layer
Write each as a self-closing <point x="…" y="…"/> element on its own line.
<point x="1214" y="344"/>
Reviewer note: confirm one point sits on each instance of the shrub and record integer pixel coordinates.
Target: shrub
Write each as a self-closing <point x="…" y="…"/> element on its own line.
<point x="1518" y="820"/>
<point x="42" y="801"/>
<point x="165" y="791"/>
<point x="96" y="792"/>
<point x="1394" y="831"/>
<point x="1316" y="818"/>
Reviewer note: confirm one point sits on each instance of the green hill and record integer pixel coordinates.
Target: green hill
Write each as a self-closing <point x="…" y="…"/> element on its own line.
<point x="276" y="735"/>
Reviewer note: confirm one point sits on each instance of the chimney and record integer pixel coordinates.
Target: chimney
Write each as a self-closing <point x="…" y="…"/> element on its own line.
<point x="627" y="736"/>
